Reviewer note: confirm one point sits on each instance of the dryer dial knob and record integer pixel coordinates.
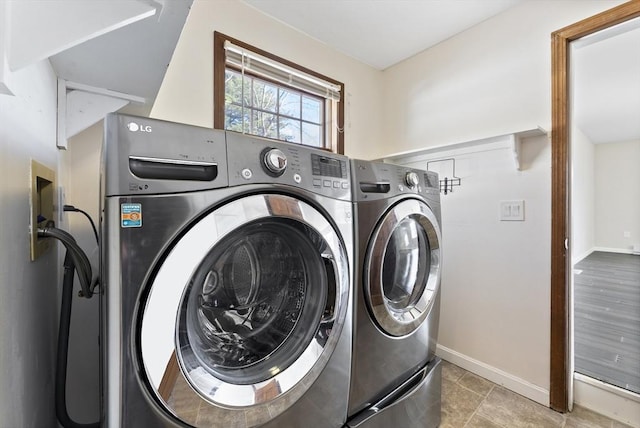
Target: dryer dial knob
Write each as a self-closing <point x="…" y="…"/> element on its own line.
<point x="412" y="179"/>
<point x="275" y="161"/>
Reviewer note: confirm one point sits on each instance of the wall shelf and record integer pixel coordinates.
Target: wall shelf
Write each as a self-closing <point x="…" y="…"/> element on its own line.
<point x="80" y="106"/>
<point x="34" y="31"/>
<point x="513" y="140"/>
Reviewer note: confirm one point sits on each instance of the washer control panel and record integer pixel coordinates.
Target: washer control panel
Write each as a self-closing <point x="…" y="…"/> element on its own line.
<point x="275" y="162"/>
<point x="258" y="160"/>
<point x="329" y="172"/>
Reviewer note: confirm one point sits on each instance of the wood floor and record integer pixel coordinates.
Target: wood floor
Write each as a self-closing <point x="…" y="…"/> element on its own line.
<point x="607" y="318"/>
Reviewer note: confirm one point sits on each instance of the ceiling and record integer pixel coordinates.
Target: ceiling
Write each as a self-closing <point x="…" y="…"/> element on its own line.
<point x="381" y="33"/>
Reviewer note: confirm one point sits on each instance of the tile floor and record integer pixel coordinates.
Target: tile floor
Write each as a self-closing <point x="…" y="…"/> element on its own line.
<point x="469" y="401"/>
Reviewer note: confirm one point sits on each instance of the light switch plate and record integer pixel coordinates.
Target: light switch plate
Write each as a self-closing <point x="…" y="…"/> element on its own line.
<point x="512" y="210"/>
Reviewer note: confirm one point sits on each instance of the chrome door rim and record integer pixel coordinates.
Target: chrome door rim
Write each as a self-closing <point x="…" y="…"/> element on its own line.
<point x="393" y="322"/>
<point x="160" y="313"/>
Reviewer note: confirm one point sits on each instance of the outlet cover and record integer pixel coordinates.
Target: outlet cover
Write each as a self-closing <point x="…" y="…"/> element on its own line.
<point x="42" y="206"/>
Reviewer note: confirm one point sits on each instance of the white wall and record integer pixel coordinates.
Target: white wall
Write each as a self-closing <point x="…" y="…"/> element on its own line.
<point x="186" y="94"/>
<point x="617" y="195"/>
<point x="491" y="80"/>
<point x="28" y="290"/>
<point x="583" y="203"/>
<point x="605" y="196"/>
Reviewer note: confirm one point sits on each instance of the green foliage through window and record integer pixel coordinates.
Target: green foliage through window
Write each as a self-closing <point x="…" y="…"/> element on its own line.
<point x="258" y="107"/>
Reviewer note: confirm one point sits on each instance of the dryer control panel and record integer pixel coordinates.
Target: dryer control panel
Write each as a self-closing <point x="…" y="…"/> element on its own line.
<point x="378" y="180"/>
<point x="254" y="160"/>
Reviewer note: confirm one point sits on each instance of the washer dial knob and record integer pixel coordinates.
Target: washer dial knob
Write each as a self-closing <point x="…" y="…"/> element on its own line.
<point x="412" y="179"/>
<point x="275" y="161"/>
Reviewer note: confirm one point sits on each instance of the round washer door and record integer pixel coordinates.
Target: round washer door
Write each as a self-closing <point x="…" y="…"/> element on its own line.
<point x="250" y="303"/>
<point x="402" y="272"/>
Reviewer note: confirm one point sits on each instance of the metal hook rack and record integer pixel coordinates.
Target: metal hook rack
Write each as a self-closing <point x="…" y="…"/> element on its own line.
<point x="446" y="184"/>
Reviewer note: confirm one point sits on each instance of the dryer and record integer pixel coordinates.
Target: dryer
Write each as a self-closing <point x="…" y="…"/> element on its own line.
<point x="226" y="264"/>
<point x="396" y="377"/>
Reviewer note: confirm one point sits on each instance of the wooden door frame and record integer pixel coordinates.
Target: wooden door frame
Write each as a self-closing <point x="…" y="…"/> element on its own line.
<point x="560" y="168"/>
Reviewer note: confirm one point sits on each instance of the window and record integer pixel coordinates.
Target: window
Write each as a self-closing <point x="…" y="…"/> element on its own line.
<point x="260" y="94"/>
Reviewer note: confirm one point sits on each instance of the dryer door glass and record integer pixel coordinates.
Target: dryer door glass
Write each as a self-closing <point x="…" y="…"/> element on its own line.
<point x="244" y="309"/>
<point x="406" y="265"/>
<point x="403" y="267"/>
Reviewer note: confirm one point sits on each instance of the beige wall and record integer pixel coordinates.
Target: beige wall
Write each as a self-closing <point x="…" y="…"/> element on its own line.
<point x="186" y="94"/>
<point x="82" y="190"/>
<point x="490" y="80"/>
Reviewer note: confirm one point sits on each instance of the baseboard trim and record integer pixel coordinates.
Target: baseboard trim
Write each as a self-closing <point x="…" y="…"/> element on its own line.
<point x="495" y="375"/>
<point x="614" y="250"/>
<point x="584" y="255"/>
<point x="610" y="401"/>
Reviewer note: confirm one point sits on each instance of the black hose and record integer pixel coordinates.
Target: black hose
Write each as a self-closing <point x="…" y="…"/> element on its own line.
<point x="78" y="210"/>
<point x="80" y="259"/>
<point x="63" y="347"/>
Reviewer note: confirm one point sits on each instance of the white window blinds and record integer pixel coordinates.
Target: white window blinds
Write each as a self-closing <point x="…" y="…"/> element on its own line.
<point x="246" y="60"/>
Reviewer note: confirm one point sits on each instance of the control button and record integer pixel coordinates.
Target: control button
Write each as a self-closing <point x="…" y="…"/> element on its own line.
<point x="275" y="161"/>
<point x="336" y="184"/>
<point x="412" y="179"/>
<point x="345" y="185"/>
<point x="246" y="173"/>
<point x="326" y="183"/>
<point x="317" y="182"/>
<point x="297" y="178"/>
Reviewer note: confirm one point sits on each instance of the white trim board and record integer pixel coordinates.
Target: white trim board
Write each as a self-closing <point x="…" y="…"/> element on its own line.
<point x="614" y="250"/>
<point x="513" y="141"/>
<point x="587" y="253"/>
<point x="495" y="375"/>
<point x="608" y="400"/>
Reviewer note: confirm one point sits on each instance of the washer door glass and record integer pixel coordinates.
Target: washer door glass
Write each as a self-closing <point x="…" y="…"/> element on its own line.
<point x="254" y="302"/>
<point x="403" y="266"/>
<point x="244" y="311"/>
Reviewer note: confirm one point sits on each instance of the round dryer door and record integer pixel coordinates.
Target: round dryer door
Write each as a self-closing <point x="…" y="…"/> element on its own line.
<point x="402" y="272"/>
<point x="246" y="307"/>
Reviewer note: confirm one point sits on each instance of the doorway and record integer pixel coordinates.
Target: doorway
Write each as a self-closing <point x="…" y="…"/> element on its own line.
<point x="605" y="218"/>
<point x="562" y="240"/>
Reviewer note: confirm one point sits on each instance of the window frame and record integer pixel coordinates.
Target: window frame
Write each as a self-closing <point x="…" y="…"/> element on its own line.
<point x="219" y="67"/>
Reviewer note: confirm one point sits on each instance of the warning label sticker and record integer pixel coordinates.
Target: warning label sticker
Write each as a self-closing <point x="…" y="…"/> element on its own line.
<point x="131" y="215"/>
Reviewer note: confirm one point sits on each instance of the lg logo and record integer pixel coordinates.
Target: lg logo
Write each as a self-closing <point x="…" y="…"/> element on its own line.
<point x="134" y="127"/>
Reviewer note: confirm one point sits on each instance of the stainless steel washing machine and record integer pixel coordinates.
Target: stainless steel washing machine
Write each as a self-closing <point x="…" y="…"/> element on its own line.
<point x="396" y="377"/>
<point x="226" y="265"/>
